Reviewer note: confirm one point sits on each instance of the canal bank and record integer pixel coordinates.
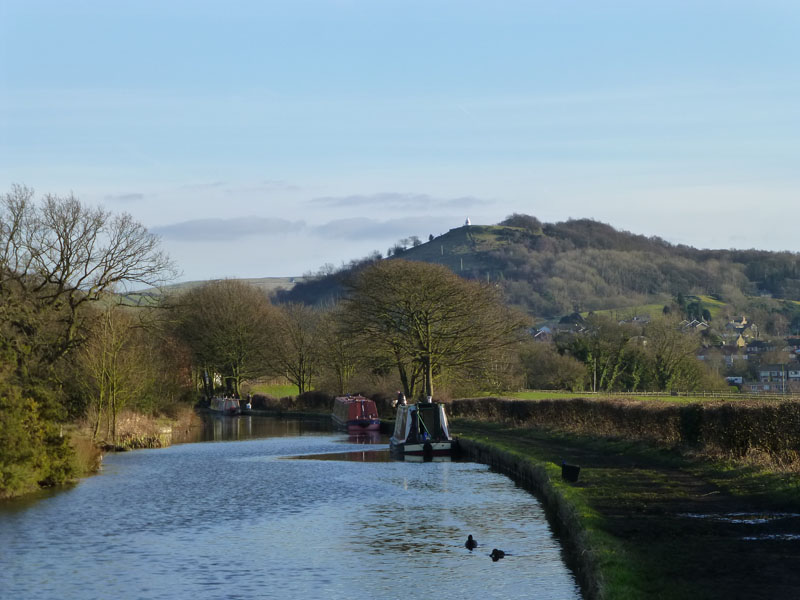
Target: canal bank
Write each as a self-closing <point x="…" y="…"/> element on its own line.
<point x="642" y="522"/>
<point x="538" y="478"/>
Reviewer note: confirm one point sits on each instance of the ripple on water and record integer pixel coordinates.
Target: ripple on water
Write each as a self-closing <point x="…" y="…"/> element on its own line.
<point x="236" y="520"/>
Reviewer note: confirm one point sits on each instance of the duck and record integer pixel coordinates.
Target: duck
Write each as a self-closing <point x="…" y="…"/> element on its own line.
<point x="497" y="554"/>
<point x="470" y="543"/>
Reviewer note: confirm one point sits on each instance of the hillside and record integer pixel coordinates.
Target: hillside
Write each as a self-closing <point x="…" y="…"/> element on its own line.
<point x="552" y="269"/>
<point x="270" y="285"/>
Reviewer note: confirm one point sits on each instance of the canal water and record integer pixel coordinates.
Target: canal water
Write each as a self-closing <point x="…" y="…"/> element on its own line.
<point x="289" y="510"/>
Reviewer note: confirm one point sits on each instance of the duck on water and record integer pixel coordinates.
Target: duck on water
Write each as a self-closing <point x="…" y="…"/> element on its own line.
<point x="497" y="554"/>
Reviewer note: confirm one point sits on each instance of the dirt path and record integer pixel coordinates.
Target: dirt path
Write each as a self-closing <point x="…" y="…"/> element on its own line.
<point x="686" y="536"/>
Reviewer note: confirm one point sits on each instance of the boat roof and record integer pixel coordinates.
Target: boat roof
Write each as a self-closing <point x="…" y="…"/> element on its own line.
<point x="357" y="398"/>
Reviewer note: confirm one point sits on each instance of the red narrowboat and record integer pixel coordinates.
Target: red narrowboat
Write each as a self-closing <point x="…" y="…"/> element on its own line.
<point x="355" y="413"/>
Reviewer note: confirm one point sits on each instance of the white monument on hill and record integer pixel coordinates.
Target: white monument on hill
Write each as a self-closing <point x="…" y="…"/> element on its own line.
<point x="467" y="223"/>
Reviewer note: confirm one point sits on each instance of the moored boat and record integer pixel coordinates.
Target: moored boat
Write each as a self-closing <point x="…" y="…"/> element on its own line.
<point x="421" y="433"/>
<point x="225" y="406"/>
<point x="355" y="413"/>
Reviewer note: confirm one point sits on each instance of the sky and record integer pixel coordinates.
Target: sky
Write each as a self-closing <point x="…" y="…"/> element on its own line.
<point x="267" y="139"/>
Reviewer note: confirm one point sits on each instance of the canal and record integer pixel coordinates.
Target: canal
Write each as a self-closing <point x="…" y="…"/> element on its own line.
<point x="290" y="509"/>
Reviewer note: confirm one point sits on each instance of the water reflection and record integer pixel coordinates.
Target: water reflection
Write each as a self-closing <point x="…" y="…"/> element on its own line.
<point x="357" y="456"/>
<point x="220" y="428"/>
<point x="368" y="437"/>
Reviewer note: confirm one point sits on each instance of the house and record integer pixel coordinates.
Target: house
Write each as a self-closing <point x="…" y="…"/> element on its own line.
<point x="793" y="345"/>
<point x="544" y="334"/>
<point x="756" y="387"/>
<point x="759" y="346"/>
<point x="731" y="354"/>
<point x="739" y="322"/>
<point x="743" y="327"/>
<point x="779" y="373"/>
<point x="697" y="325"/>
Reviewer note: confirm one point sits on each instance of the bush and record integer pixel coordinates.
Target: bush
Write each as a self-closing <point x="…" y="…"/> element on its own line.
<point x="33" y="452"/>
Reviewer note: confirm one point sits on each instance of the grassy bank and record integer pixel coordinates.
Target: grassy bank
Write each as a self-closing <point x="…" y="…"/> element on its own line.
<point x="765" y="433"/>
<point x="644" y="522"/>
<point x="137" y="430"/>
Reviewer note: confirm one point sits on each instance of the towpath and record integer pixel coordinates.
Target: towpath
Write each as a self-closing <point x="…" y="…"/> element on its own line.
<point x="685" y="529"/>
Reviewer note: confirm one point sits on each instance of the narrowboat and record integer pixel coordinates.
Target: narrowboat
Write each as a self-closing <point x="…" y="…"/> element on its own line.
<point x="355" y="414"/>
<point x="225" y="406"/>
<point x="421" y="433"/>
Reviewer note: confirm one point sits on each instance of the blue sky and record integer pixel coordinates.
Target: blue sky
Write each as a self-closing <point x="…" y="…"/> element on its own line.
<point x="270" y="138"/>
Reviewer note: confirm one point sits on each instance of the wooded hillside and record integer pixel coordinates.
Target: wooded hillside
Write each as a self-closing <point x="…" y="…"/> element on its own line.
<point x="552" y="269"/>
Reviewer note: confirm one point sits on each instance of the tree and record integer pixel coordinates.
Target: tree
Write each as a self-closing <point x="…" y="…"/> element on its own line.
<point x="126" y="361"/>
<point x="546" y="369"/>
<point x="295" y="345"/>
<point x="338" y="355"/>
<point x="225" y="324"/>
<point x="425" y="319"/>
<point x="608" y="357"/>
<point x="532" y="224"/>
<point x="102" y="360"/>
<point x="673" y="354"/>
<point x="57" y="257"/>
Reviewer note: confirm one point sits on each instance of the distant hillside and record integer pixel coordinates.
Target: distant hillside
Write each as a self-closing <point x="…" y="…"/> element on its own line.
<point x="270" y="285"/>
<point x="552" y="269"/>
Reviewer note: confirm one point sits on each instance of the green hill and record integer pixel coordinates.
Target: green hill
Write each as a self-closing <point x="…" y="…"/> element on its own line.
<point x="468" y="249"/>
<point x="554" y="269"/>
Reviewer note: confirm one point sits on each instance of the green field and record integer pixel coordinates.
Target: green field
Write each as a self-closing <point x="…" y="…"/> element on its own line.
<point x="679" y="399"/>
<point x="277" y="390"/>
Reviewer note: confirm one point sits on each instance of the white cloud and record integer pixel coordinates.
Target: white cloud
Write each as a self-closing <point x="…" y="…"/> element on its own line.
<point x="398" y="200"/>
<point x="130" y="197"/>
<point x="215" y="230"/>
<point x="386" y="231"/>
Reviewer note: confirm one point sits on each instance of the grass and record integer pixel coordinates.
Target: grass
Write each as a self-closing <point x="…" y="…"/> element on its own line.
<point x="714" y="306"/>
<point x="629" y="522"/>
<point x="87" y="456"/>
<point x="548" y="395"/>
<point x="631" y="505"/>
<point x="629" y="312"/>
<point x="277" y="390"/>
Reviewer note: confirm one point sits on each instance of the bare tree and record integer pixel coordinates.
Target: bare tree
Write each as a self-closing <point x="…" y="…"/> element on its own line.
<point x="339" y="355"/>
<point x="112" y="373"/>
<point x="58" y="255"/>
<point x="427" y="319"/>
<point x="225" y="323"/>
<point x="295" y="342"/>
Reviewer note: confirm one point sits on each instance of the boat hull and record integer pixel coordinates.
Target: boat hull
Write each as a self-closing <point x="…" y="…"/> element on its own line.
<point x="225" y="406"/>
<point x="357" y="425"/>
<point x="422" y="450"/>
<point x="421" y="433"/>
<point x="355" y="414"/>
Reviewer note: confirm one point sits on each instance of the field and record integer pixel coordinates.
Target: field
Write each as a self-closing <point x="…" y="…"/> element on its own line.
<point x="681" y="398"/>
<point x="276" y="390"/>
